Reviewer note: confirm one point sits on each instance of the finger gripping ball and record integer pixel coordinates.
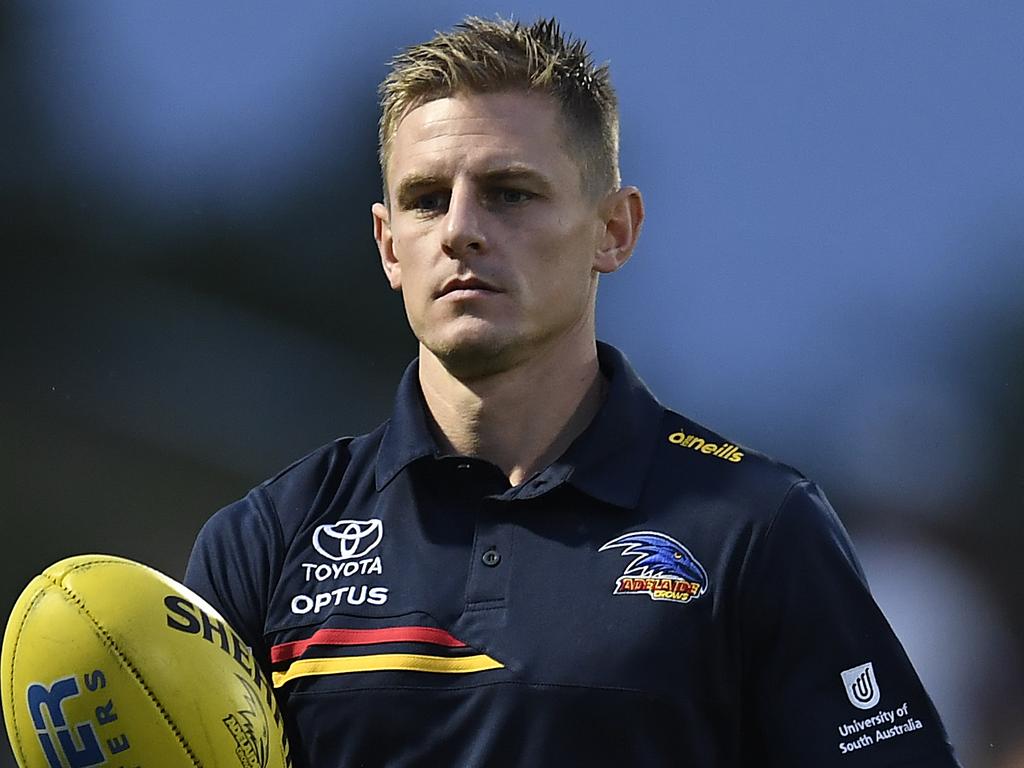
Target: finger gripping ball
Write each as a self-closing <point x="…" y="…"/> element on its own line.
<point x="109" y="662"/>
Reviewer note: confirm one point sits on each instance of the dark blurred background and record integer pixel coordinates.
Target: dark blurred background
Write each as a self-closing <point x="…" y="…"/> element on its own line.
<point x="832" y="271"/>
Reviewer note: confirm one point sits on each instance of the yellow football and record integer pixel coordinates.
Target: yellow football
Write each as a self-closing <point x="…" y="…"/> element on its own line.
<point x="109" y="662"/>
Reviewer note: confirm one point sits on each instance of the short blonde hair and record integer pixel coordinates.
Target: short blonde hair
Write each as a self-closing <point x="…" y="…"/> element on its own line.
<point x="480" y="56"/>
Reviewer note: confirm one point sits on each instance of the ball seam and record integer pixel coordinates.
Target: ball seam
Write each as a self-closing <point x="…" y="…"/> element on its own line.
<point x="125" y="661"/>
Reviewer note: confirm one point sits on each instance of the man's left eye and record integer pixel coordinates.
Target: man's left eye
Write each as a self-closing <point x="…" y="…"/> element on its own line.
<point x="513" y="196"/>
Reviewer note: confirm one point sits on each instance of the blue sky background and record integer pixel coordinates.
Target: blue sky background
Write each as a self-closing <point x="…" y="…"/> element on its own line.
<point x="834" y="191"/>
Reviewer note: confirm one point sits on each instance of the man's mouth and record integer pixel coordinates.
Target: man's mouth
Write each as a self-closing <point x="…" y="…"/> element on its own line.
<point x="467" y="286"/>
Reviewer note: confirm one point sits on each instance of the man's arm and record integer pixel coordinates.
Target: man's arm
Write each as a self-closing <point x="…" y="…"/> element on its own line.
<point x="233" y="565"/>
<point x="827" y="683"/>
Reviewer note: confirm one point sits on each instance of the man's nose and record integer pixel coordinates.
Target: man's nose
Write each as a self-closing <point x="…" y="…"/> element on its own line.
<point x="463" y="223"/>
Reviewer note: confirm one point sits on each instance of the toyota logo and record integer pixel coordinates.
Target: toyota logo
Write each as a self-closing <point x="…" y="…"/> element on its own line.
<point x="348" y="539"/>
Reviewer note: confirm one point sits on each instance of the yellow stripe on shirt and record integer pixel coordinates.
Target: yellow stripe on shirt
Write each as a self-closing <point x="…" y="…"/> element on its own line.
<point x="382" y="661"/>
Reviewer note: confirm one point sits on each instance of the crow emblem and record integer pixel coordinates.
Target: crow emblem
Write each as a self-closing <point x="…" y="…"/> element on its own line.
<point x="662" y="568"/>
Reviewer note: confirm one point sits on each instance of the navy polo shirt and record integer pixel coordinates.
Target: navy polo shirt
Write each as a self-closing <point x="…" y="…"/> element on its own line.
<point x="657" y="596"/>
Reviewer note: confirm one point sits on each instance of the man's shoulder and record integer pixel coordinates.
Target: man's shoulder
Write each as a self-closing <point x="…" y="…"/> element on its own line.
<point x="323" y="471"/>
<point x="270" y="516"/>
<point x="688" y="462"/>
<point x="336" y="455"/>
<point x="695" y="461"/>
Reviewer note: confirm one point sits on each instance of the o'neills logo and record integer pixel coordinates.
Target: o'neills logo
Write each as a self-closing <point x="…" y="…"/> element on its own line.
<point x="726" y="451"/>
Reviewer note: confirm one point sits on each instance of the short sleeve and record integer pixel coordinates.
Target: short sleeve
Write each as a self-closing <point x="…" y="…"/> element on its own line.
<point x="827" y="683"/>
<point x="233" y="565"/>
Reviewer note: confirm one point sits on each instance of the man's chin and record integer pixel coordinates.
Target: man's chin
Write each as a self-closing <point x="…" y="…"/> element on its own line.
<point x="473" y="357"/>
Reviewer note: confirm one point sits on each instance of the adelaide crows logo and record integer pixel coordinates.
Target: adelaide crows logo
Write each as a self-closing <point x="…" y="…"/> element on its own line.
<point x="662" y="568"/>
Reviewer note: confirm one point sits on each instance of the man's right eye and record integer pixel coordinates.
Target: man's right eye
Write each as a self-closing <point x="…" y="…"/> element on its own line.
<point x="430" y="202"/>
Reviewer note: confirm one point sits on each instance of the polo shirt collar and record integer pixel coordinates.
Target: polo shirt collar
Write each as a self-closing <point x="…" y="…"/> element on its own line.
<point x="611" y="458"/>
<point x="407" y="437"/>
<point x="608" y="461"/>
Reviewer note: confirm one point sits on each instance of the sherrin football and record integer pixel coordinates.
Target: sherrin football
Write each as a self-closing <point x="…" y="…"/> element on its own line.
<point x="109" y="662"/>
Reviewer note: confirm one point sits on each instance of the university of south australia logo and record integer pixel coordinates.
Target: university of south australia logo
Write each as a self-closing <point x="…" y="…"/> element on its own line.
<point x="662" y="568"/>
<point x="861" y="686"/>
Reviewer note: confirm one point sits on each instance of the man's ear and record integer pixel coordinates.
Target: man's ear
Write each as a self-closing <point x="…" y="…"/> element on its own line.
<point x="622" y="213"/>
<point x="386" y="245"/>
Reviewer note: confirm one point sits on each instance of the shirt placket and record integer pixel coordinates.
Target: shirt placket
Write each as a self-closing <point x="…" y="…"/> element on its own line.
<point x="491" y="559"/>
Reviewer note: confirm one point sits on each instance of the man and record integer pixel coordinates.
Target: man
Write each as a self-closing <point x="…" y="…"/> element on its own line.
<point x="533" y="562"/>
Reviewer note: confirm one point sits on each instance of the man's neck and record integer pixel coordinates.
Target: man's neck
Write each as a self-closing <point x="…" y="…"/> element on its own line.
<point x="520" y="419"/>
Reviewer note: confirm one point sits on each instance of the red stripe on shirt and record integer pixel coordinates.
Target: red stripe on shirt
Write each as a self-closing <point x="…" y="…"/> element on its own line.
<point x="286" y="651"/>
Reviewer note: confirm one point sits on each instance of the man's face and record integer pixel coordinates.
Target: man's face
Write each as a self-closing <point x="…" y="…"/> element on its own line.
<point x="489" y="234"/>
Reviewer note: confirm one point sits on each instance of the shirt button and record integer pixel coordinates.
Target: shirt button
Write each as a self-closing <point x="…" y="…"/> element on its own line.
<point x="491" y="558"/>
